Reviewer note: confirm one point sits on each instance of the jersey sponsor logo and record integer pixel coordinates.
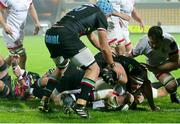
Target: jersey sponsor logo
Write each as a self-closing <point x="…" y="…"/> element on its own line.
<point x="52" y="39"/>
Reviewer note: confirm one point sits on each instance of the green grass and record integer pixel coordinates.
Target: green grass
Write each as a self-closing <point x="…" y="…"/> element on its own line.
<point x="39" y="61"/>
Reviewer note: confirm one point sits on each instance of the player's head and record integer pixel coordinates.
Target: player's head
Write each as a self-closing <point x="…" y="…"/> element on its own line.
<point x="136" y="78"/>
<point x="105" y="6"/>
<point x="155" y="35"/>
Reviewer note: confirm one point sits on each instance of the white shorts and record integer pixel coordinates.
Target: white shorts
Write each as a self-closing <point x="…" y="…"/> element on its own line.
<point x="126" y="37"/>
<point x="15" y="40"/>
<point x="115" y="33"/>
<point x="84" y="58"/>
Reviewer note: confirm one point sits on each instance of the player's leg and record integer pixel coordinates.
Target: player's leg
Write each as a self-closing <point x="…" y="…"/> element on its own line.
<point x="128" y="44"/>
<point x="170" y="84"/>
<point x="85" y="60"/>
<point x="14" y="44"/>
<point x="160" y="92"/>
<point x="5" y="79"/>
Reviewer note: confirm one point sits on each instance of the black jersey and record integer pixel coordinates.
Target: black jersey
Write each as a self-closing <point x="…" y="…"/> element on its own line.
<point x="84" y="19"/>
<point x="128" y="64"/>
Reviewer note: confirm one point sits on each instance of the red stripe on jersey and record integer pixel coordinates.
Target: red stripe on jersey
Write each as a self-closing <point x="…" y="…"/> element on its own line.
<point x="128" y="44"/>
<point x="101" y="29"/>
<point x="113" y="40"/>
<point x="2" y="5"/>
<point x="120" y="41"/>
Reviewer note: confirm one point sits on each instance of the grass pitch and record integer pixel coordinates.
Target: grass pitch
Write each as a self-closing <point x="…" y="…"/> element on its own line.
<point x="16" y="111"/>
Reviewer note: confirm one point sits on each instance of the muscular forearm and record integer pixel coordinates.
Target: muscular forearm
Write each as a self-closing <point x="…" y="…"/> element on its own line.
<point x="107" y="55"/>
<point x="136" y="16"/>
<point x="94" y="40"/>
<point x="121" y="15"/>
<point x="148" y="94"/>
<point x="168" y="67"/>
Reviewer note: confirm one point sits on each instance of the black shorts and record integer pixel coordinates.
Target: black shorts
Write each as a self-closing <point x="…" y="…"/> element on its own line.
<point x="62" y="42"/>
<point x="71" y="79"/>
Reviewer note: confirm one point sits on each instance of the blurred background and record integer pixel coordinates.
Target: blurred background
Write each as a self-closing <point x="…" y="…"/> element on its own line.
<point x="154" y="12"/>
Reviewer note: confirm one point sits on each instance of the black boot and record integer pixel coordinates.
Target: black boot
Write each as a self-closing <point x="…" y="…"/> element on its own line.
<point x="44" y="105"/>
<point x="175" y="98"/>
<point x="80" y="110"/>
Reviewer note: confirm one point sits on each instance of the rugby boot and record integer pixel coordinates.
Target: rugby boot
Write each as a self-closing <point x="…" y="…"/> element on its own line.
<point x="80" y="110"/>
<point x="44" y="106"/>
<point x="68" y="101"/>
<point x="175" y="98"/>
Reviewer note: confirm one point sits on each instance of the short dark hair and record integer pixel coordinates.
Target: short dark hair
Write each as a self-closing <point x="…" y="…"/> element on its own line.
<point x="156" y="32"/>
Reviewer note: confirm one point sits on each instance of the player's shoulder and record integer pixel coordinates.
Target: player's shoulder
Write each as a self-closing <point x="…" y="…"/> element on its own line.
<point x="168" y="37"/>
<point x="144" y="39"/>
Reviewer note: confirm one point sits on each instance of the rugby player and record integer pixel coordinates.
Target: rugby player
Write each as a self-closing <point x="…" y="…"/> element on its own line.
<point x="162" y="55"/>
<point x="118" y="32"/>
<point x="13" y="33"/>
<point x="64" y="44"/>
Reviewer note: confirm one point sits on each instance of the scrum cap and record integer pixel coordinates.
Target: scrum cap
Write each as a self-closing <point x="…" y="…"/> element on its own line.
<point x="105" y="6"/>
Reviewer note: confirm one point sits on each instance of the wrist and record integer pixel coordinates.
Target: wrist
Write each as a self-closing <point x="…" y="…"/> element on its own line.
<point x="112" y="65"/>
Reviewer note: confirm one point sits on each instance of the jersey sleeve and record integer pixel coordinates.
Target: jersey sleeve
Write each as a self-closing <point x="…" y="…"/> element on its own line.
<point x="173" y="47"/>
<point x="4" y="3"/>
<point x="101" y="22"/>
<point x="139" y="49"/>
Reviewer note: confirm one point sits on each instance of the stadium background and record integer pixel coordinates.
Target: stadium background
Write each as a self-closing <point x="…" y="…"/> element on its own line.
<point x="164" y="12"/>
<point x="154" y="12"/>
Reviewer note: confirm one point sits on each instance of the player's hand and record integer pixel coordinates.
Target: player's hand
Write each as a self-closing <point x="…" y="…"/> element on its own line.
<point x="37" y="28"/>
<point x="7" y="29"/>
<point x="142" y="27"/>
<point x="119" y="72"/>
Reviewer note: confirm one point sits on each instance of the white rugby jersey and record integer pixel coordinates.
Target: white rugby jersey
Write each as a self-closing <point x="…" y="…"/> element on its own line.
<point x="17" y="12"/>
<point x="167" y="48"/>
<point x="126" y="6"/>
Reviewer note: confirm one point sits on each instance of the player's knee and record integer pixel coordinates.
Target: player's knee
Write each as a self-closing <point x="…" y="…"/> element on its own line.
<point x="95" y="68"/>
<point x="4" y="89"/>
<point x="171" y="87"/>
<point x="170" y="84"/>
<point x="1" y="85"/>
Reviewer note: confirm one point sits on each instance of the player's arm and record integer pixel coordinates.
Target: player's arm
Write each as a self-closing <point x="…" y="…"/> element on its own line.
<point x="137" y="17"/>
<point x="94" y="40"/>
<point x="5" y="26"/>
<point x="147" y="89"/>
<point x="121" y="15"/>
<point x="173" y="62"/>
<point x="106" y="51"/>
<point x="34" y="16"/>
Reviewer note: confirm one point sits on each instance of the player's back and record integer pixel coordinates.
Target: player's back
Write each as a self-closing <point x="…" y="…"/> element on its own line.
<point x="84" y="19"/>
